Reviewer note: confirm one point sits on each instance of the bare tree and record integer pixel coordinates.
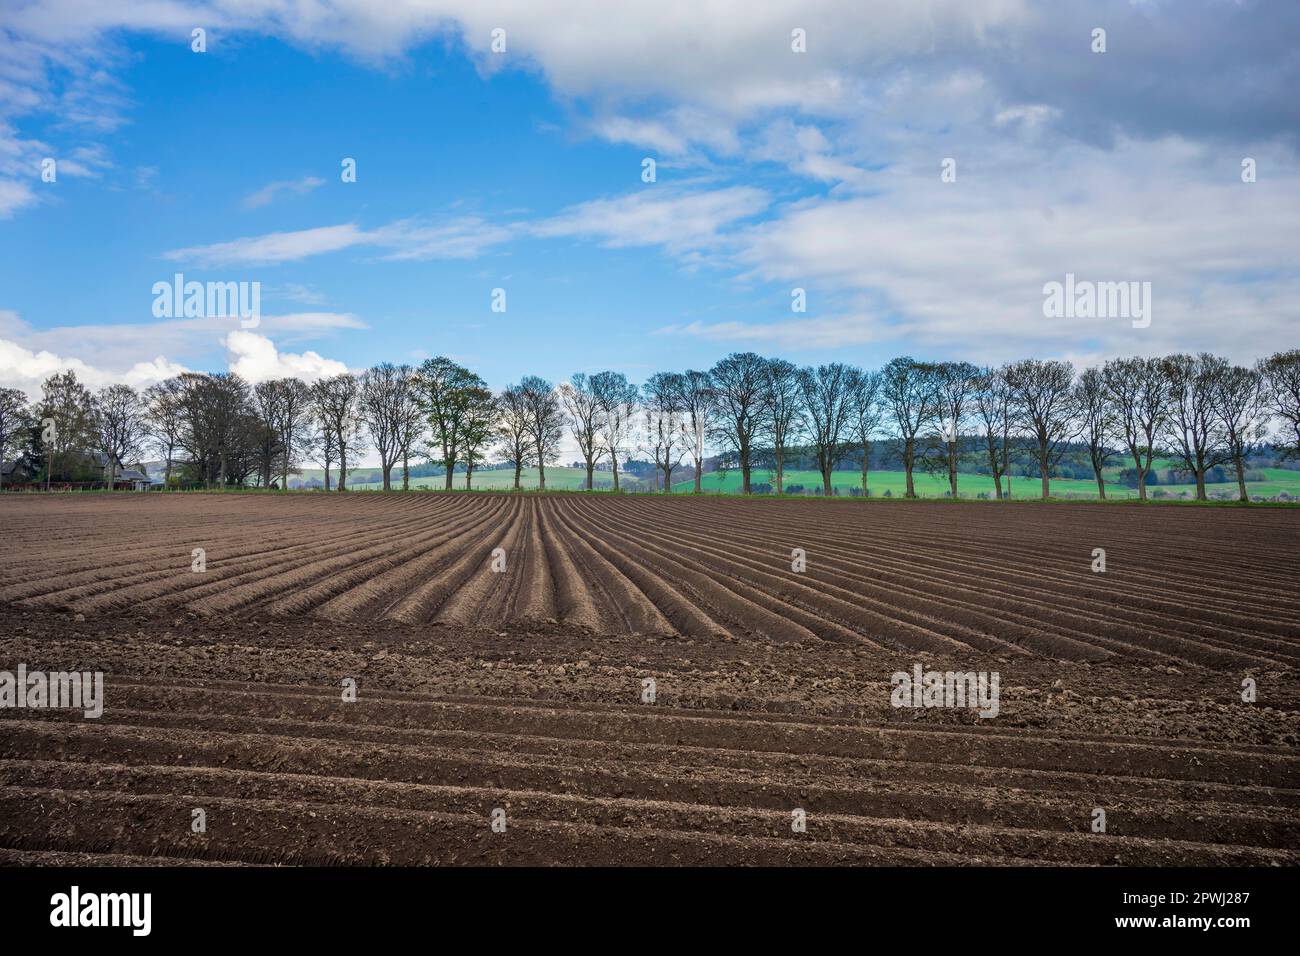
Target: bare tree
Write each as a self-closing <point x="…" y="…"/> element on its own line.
<point x="665" y="433"/>
<point x="954" y="383"/>
<point x="1240" y="401"/>
<point x="13" y="419"/>
<point x="267" y="398"/>
<point x="325" y="443"/>
<point x="514" y="429"/>
<point x="738" y="384"/>
<point x="618" y="401"/>
<point x="698" y="406"/>
<point x="1139" y="391"/>
<point x="410" y="425"/>
<point x="292" y="423"/>
<point x="828" y="396"/>
<point x="1096" y="421"/>
<point x="782" y="397"/>
<point x="865" y="416"/>
<point x="585" y="419"/>
<point x="164" y="420"/>
<point x="908" y="388"/>
<point x="1193" y="431"/>
<point x="1041" y="395"/>
<point x="220" y="428"/>
<point x="545" y="422"/>
<point x="338" y="402"/>
<point x="384" y="408"/>
<point x="1282" y="376"/>
<point x="994" y="410"/>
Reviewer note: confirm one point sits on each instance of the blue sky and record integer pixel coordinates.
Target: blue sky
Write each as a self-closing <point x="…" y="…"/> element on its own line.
<point x="776" y="169"/>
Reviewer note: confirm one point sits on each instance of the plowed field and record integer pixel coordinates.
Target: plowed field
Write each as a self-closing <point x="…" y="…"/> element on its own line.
<point x="515" y="680"/>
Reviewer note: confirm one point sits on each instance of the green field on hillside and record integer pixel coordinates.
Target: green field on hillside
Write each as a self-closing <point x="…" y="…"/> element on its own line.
<point x="557" y="479"/>
<point x="560" y="478"/>
<point x="971" y="485"/>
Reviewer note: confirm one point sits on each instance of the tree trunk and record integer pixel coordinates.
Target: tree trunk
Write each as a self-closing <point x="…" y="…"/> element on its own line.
<point x="343" y="468"/>
<point x="952" y="468"/>
<point x="406" y="471"/>
<point x="668" y="478"/>
<point x="909" y="452"/>
<point x="1142" y="477"/>
<point x="699" y="468"/>
<point x="780" y="471"/>
<point x="1241" y="479"/>
<point x="1043" y="472"/>
<point x="591" y="469"/>
<point x="327" y="474"/>
<point x="1101" y="482"/>
<point x="541" y="469"/>
<point x="1200" y="485"/>
<point x="469" y="474"/>
<point x="449" y="466"/>
<point x="614" y="460"/>
<point x="518" y="472"/>
<point x="866" y="465"/>
<point x="744" y="472"/>
<point x="826" y="483"/>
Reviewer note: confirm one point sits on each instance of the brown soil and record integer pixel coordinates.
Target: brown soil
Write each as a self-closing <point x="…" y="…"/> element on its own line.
<point x="522" y="690"/>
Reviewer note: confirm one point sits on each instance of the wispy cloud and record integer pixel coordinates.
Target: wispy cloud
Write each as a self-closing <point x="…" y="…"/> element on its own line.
<point x="463" y="238"/>
<point x="268" y="193"/>
<point x="680" y="220"/>
<point x="273" y="247"/>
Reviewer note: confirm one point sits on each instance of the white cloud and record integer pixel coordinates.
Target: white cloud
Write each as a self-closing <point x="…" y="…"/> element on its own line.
<point x="13" y="197"/>
<point x="271" y="248"/>
<point x="142" y="354"/>
<point x="119" y="345"/>
<point x="659" y="215"/>
<point x="959" y="268"/>
<point x="463" y="238"/>
<point x="266" y="195"/>
<point x="256" y="358"/>
<point x="25" y="369"/>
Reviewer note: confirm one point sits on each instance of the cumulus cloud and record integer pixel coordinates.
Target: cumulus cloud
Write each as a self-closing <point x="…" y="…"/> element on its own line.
<point x="119" y="345"/>
<point x="140" y="355"/>
<point x="25" y="369"/>
<point x="256" y="358"/>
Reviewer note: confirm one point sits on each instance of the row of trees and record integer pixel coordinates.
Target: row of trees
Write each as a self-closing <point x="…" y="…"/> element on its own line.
<point x="746" y="412"/>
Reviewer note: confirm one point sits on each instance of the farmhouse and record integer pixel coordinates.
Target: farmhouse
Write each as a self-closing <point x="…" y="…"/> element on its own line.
<point x="14" y="471"/>
<point x="131" y="479"/>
